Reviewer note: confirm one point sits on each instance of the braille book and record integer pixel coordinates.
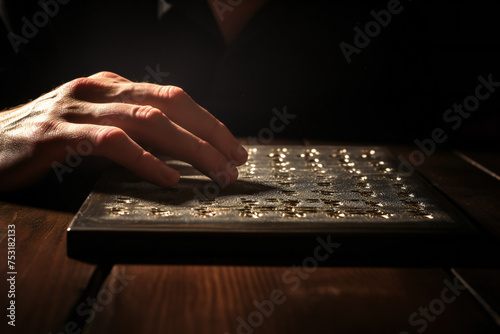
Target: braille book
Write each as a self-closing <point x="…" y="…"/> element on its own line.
<point x="284" y="198"/>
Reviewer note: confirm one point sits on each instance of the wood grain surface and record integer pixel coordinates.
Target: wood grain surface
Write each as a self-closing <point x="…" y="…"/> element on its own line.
<point x="474" y="191"/>
<point x="48" y="283"/>
<point x="487" y="159"/>
<point x="210" y="299"/>
<point x="53" y="291"/>
<point x="485" y="285"/>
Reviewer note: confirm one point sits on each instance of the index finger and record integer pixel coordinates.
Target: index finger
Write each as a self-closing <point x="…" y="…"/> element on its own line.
<point x="182" y="110"/>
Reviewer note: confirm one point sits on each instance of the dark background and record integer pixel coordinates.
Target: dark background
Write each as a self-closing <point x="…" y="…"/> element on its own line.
<point x="395" y="90"/>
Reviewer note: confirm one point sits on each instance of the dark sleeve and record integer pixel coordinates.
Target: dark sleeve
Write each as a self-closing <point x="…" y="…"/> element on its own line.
<point x="46" y="46"/>
<point x="26" y="47"/>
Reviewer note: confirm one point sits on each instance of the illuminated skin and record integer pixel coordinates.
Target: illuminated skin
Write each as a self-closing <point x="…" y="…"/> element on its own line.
<point x="112" y="115"/>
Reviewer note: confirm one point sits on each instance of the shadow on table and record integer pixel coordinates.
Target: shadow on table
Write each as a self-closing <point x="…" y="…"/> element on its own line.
<point x="52" y="194"/>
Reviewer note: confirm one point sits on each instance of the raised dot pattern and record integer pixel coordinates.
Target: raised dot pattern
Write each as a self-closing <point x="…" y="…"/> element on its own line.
<point x="313" y="184"/>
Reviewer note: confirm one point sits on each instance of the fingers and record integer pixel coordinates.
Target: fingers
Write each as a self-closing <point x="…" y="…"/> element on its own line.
<point x="150" y="126"/>
<point x="163" y="117"/>
<point x="182" y="110"/>
<point x="172" y="101"/>
<point x="114" y="144"/>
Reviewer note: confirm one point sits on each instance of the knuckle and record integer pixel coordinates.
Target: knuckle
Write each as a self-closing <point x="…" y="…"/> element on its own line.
<point x="109" y="136"/>
<point x="79" y="83"/>
<point x="45" y="126"/>
<point x="172" y="94"/>
<point x="46" y="131"/>
<point x="68" y="109"/>
<point x="106" y="74"/>
<point x="76" y="86"/>
<point x="147" y="113"/>
<point x="126" y="93"/>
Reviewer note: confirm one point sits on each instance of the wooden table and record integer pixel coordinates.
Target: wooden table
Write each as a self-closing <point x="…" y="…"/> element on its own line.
<point x="57" y="294"/>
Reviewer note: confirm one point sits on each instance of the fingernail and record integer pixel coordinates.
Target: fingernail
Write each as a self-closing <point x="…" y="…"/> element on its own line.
<point x="239" y="154"/>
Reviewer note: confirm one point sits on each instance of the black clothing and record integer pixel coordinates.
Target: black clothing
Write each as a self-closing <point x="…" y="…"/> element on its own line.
<point x="397" y="88"/>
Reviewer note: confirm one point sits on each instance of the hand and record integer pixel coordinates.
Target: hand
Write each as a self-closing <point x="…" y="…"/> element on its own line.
<point x="111" y="116"/>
